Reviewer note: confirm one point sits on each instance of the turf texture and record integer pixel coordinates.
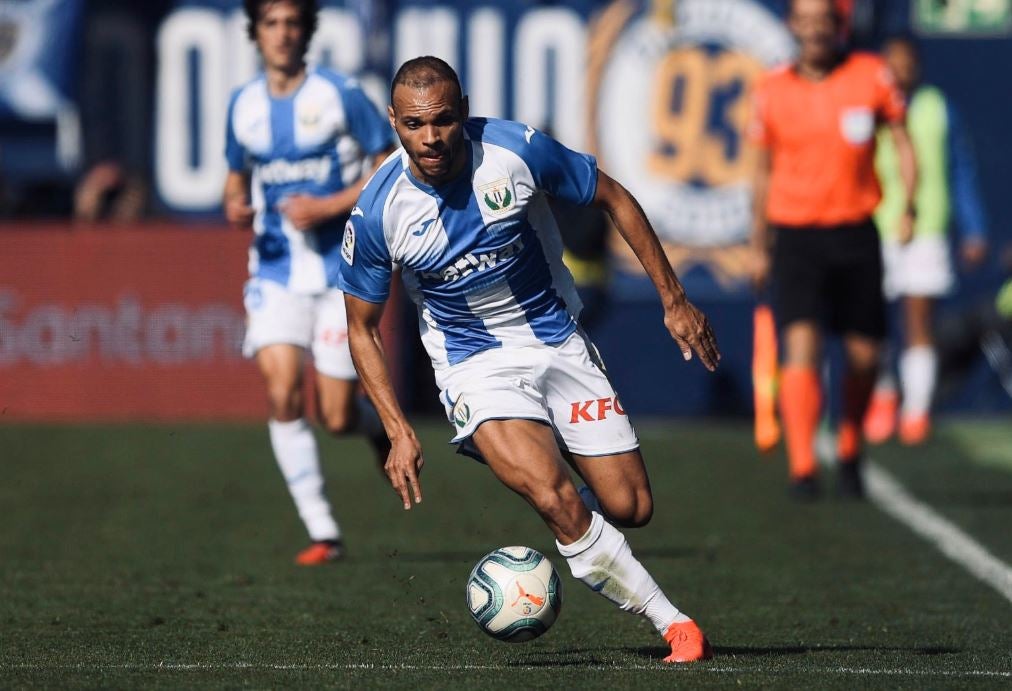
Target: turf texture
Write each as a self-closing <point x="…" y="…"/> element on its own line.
<point x="161" y="557"/>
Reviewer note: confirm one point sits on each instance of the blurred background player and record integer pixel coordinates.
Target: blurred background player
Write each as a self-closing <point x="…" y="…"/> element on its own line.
<point x="815" y="191"/>
<point x="920" y="271"/>
<point x="463" y="210"/>
<point x="303" y="138"/>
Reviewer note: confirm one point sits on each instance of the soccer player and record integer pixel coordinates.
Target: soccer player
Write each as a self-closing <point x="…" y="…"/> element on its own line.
<point x="815" y="191"/>
<point x="463" y="210"/>
<point x="921" y="271"/>
<point x="301" y="139"/>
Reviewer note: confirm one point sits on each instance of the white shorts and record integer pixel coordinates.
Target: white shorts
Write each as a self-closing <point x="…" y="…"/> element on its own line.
<point x="275" y="315"/>
<point x="563" y="385"/>
<point x="920" y="268"/>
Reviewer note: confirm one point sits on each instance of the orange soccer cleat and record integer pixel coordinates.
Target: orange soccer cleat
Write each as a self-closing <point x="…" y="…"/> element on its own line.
<point x="322" y="552"/>
<point x="688" y="644"/>
<point x="914" y="429"/>
<point x="880" y="419"/>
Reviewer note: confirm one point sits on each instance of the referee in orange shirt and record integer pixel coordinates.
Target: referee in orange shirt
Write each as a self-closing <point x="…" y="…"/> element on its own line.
<point x="814" y="239"/>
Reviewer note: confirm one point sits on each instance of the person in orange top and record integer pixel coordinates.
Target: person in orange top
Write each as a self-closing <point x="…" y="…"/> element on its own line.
<point x="814" y="239"/>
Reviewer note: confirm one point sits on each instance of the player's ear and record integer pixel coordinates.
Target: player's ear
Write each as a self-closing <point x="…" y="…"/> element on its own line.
<point x="464" y="108"/>
<point x="391" y="116"/>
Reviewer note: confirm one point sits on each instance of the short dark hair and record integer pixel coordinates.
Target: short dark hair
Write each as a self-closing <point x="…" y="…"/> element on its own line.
<point x="834" y="5"/>
<point x="308" y="11"/>
<point x="423" y="72"/>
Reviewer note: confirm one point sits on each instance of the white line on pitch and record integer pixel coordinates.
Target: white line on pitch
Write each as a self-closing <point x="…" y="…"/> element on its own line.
<point x="891" y="497"/>
<point x="267" y="667"/>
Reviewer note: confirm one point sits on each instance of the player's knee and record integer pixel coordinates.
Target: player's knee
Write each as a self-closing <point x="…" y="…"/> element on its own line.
<point x="632" y="509"/>
<point x="338" y="423"/>
<point x="285" y="402"/>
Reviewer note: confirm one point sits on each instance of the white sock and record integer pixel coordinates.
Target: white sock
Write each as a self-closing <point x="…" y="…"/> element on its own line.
<point x="295" y="450"/>
<point x="918" y="366"/>
<point x="602" y="559"/>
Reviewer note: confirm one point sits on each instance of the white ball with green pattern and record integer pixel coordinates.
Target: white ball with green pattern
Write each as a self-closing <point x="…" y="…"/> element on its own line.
<point x="514" y="594"/>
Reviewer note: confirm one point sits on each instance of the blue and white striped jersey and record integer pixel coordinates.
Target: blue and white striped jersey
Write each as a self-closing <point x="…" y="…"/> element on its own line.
<point x="481" y="255"/>
<point x="313" y="142"/>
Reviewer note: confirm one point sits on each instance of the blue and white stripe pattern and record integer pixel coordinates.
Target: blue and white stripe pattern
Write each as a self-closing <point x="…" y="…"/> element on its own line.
<point x="481" y="255"/>
<point x="315" y="141"/>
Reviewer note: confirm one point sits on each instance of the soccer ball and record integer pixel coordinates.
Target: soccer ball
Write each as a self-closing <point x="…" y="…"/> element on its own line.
<point x="514" y="594"/>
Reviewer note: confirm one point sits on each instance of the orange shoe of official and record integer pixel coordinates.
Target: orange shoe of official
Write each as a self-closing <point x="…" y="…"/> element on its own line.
<point x="688" y="644"/>
<point x="322" y="552"/>
<point x="880" y="419"/>
<point x="914" y="429"/>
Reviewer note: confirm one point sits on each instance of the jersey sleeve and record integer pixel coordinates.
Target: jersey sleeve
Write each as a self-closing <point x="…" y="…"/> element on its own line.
<point x="233" y="149"/>
<point x="889" y="104"/>
<point x="365" y="260"/>
<point x="559" y="171"/>
<point x="966" y="197"/>
<point x="365" y="123"/>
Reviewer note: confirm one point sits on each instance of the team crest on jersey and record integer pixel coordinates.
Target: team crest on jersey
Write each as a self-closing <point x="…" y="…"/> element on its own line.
<point x="499" y="196"/>
<point x="348" y="243"/>
<point x="461" y="412"/>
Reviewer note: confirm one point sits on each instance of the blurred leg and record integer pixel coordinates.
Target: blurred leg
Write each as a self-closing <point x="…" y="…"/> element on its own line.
<point x="292" y="439"/>
<point x="801" y="396"/>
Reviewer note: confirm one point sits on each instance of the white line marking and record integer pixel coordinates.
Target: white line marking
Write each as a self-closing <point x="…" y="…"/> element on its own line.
<point x="891" y="497"/>
<point x="253" y="666"/>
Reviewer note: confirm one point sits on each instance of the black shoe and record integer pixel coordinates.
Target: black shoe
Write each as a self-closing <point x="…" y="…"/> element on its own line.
<point x="804" y="489"/>
<point x="849" y="484"/>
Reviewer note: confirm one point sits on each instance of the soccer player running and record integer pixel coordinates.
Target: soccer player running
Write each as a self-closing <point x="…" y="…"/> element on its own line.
<point x="463" y="210"/>
<point x="921" y="271"/>
<point x="815" y="191"/>
<point x="301" y="138"/>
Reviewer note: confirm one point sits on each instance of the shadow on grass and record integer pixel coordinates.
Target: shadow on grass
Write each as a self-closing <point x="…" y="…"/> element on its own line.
<point x="458" y="556"/>
<point x="655" y="652"/>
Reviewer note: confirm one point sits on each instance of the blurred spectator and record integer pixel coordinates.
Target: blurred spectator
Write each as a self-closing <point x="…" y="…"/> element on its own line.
<point x="920" y="271"/>
<point x="116" y="109"/>
<point x="964" y="333"/>
<point x="39" y="128"/>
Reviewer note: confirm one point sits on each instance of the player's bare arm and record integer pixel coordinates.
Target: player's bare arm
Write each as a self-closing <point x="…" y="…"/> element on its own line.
<point x="688" y="326"/>
<point x="236" y="200"/>
<point x="760" y="240"/>
<point x="306" y="211"/>
<point x="405" y="460"/>
<point x="908" y="172"/>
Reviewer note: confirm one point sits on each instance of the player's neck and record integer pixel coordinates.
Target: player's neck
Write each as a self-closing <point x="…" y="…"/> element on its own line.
<point x="284" y="81"/>
<point x="817" y="70"/>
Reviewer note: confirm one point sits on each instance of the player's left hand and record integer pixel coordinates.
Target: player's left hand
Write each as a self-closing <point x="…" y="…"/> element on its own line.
<point x="692" y="332"/>
<point x="974" y="252"/>
<point x="305" y="211"/>
<point x="403" y="467"/>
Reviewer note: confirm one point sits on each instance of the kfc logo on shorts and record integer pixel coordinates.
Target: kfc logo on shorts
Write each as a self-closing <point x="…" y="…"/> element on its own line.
<point x="594" y="410"/>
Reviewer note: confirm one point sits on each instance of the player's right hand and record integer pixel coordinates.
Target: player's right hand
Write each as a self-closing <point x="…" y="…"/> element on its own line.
<point x="403" y="466"/>
<point x="238" y="212"/>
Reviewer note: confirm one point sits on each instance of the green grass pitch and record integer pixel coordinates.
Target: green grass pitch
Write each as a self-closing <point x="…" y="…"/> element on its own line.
<point x="161" y="557"/>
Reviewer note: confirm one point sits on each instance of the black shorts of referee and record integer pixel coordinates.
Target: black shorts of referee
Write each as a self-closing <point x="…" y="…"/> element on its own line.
<point x="831" y="275"/>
